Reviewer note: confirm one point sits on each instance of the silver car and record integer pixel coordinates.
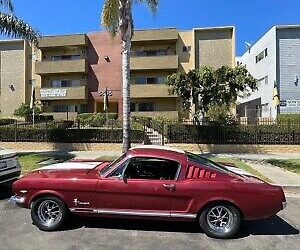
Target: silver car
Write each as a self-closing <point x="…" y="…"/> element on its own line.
<point x="10" y="168"/>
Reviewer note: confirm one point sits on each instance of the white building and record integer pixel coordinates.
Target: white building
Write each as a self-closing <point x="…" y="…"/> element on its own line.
<point x="273" y="60"/>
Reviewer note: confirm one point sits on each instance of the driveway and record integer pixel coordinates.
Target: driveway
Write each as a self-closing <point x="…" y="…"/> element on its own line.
<point x="17" y="232"/>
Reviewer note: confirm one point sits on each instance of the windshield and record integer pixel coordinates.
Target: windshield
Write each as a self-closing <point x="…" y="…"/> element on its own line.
<point x="205" y="162"/>
<point x="109" y="166"/>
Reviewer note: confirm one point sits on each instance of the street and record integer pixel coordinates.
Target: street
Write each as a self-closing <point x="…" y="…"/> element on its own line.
<point x="17" y="232"/>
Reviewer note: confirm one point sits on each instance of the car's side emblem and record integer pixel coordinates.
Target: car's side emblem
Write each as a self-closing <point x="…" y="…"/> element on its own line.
<point x="78" y="202"/>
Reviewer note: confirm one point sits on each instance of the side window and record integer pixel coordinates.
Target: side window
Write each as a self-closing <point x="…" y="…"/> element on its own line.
<point x="119" y="172"/>
<point x="151" y="168"/>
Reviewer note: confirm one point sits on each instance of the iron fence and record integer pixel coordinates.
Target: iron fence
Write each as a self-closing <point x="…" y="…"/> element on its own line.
<point x="152" y="131"/>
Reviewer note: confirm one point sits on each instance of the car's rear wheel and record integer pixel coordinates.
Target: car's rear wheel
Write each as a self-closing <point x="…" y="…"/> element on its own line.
<point x="49" y="213"/>
<point x="220" y="220"/>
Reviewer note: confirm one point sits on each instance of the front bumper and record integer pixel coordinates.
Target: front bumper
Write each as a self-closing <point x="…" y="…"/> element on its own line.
<point x="17" y="200"/>
<point x="284" y="204"/>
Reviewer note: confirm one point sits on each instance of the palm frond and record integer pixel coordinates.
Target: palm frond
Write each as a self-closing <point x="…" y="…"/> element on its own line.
<point x="110" y="16"/>
<point x="152" y="4"/>
<point x="14" y="27"/>
<point x="7" y="4"/>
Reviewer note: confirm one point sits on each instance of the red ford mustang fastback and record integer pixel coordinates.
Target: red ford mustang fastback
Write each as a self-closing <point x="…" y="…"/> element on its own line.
<point x="149" y="182"/>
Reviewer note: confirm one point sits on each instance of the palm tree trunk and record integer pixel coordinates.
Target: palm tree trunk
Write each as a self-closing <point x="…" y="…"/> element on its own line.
<point x="126" y="92"/>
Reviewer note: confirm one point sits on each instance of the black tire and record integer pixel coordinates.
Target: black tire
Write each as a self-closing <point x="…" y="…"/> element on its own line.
<point x="211" y="224"/>
<point x="40" y="215"/>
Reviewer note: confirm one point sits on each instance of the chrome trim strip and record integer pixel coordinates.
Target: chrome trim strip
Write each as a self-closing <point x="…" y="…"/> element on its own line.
<point x="183" y="215"/>
<point x="134" y="213"/>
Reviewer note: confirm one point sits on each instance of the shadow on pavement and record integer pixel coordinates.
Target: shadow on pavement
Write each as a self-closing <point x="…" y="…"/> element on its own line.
<point x="271" y="226"/>
<point x="5" y="192"/>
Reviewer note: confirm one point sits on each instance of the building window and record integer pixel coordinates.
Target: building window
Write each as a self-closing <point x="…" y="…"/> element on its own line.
<point x="150" y="80"/>
<point x="146" y="106"/>
<point x="31" y="81"/>
<point x="261" y="55"/>
<point x="65" y="108"/>
<point x="132" y="107"/>
<point x="65" y="83"/>
<point x="266" y="79"/>
<point x="141" y="80"/>
<point x="65" y="57"/>
<point x="153" y="52"/>
<point x="186" y="48"/>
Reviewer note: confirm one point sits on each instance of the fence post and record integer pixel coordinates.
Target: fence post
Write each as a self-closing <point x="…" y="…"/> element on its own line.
<point x="16" y="124"/>
<point x="163" y="133"/>
<point x="78" y="130"/>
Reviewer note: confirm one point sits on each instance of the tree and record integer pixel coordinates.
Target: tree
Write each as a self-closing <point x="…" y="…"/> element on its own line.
<point x="117" y="18"/>
<point x="12" y="26"/>
<point x="26" y="112"/>
<point x="207" y="87"/>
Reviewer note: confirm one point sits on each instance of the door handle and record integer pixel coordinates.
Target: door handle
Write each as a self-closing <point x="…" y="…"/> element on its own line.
<point x="170" y="187"/>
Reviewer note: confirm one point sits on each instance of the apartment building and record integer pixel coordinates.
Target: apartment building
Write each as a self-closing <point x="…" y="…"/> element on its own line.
<point x="274" y="61"/>
<point x="71" y="72"/>
<point x="156" y="53"/>
<point x="15" y="75"/>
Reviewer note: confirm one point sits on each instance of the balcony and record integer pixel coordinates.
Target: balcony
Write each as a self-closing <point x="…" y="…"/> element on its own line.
<point x="68" y="93"/>
<point x="155" y="35"/>
<point x="149" y="91"/>
<point x="52" y="42"/>
<point x="169" y="62"/>
<point x="61" y="67"/>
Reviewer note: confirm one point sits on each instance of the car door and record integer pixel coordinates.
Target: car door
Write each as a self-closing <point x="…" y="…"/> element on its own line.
<point x="140" y="186"/>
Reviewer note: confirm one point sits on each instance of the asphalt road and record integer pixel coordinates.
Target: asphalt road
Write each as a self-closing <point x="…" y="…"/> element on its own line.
<point x="17" y="232"/>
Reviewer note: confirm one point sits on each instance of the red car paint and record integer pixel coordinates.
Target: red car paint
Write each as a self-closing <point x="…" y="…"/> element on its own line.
<point x="181" y="199"/>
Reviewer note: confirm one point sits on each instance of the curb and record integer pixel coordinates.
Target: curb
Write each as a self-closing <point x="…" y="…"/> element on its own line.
<point x="290" y="189"/>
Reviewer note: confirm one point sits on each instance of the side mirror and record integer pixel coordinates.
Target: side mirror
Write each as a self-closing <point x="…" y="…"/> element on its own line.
<point x="122" y="178"/>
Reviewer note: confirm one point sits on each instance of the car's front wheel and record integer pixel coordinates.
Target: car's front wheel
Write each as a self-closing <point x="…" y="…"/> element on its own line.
<point x="220" y="221"/>
<point x="49" y="213"/>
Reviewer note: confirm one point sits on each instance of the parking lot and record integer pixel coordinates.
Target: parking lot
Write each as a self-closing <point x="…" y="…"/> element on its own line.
<point x="17" y="232"/>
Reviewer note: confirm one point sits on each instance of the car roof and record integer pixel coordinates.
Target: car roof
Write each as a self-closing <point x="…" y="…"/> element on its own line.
<point x="158" y="151"/>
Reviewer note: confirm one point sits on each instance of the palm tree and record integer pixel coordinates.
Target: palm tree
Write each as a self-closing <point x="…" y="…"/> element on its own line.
<point x="117" y="18"/>
<point x="12" y="26"/>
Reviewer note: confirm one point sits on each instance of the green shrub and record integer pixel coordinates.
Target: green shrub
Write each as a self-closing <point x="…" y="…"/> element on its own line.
<point x="288" y="118"/>
<point x="95" y="119"/>
<point x="6" y="121"/>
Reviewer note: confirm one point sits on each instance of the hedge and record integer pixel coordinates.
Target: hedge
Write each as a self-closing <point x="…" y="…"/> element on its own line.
<point x="72" y="135"/>
<point x="233" y="134"/>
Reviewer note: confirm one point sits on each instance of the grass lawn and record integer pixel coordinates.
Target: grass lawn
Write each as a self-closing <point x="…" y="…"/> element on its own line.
<point x="292" y="165"/>
<point x="238" y="163"/>
<point x="30" y="161"/>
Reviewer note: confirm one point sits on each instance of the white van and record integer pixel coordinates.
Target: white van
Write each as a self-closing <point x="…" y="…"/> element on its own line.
<point x="10" y="168"/>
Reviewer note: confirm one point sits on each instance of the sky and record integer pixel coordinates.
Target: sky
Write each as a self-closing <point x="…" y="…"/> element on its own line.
<point x="252" y="18"/>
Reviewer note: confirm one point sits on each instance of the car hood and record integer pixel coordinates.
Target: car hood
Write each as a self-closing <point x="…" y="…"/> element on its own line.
<point x="66" y="170"/>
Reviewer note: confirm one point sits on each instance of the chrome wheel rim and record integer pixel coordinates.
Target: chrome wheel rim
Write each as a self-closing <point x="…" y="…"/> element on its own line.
<point x="49" y="212"/>
<point x="220" y="219"/>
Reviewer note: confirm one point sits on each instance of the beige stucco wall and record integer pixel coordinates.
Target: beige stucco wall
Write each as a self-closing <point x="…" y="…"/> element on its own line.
<point x="214" y="47"/>
<point x="186" y="59"/>
<point x="12" y="72"/>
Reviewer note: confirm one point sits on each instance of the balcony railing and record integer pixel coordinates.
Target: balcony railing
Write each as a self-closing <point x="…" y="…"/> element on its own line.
<point x="61" y="67"/>
<point x="169" y="62"/>
<point x="149" y="91"/>
<point x="77" y="40"/>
